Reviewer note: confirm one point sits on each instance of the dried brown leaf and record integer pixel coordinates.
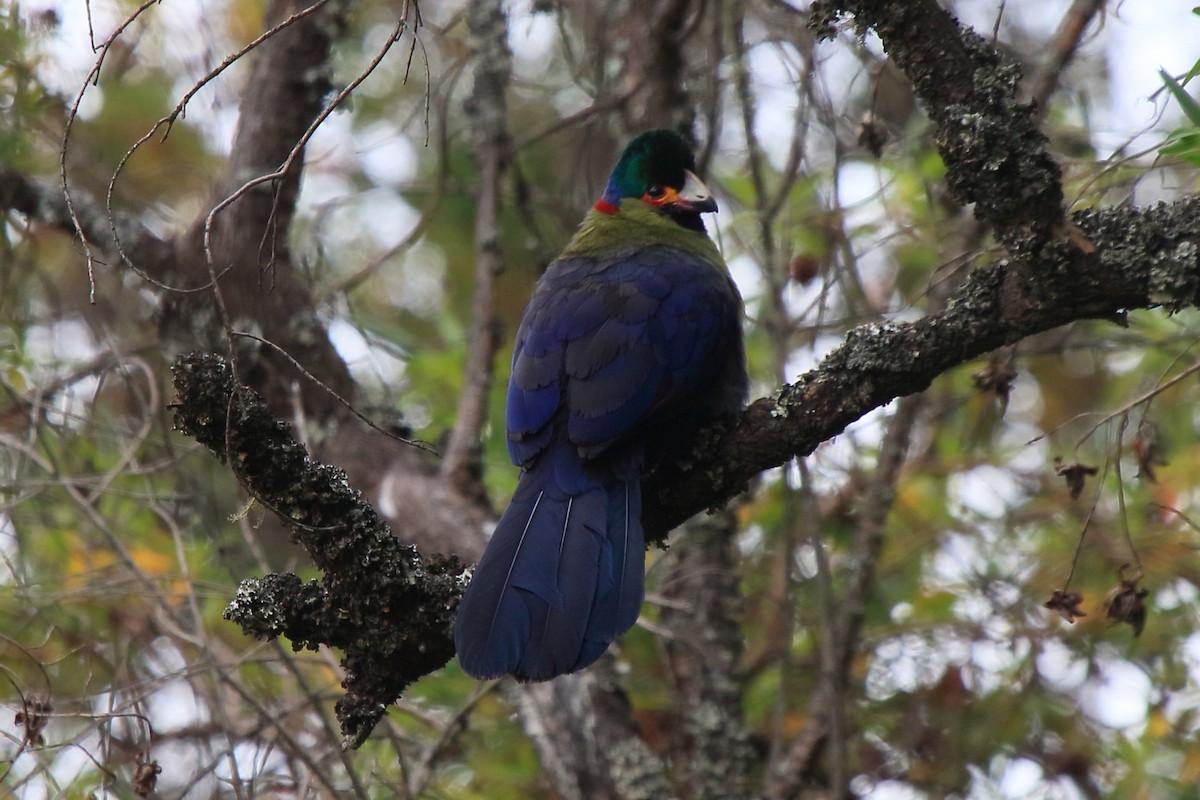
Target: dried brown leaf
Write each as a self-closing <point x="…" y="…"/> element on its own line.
<point x="145" y="775"/>
<point x="1066" y="605"/>
<point x="996" y="379"/>
<point x="34" y="714"/>
<point x="1148" y="450"/>
<point x="872" y="135"/>
<point x="1125" y="603"/>
<point x="1075" y="474"/>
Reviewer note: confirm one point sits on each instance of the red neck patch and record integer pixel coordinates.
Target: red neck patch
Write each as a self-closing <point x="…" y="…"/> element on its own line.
<point x="605" y="207"/>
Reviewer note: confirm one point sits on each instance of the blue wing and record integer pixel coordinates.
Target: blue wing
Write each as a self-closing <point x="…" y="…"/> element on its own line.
<point x="617" y="346"/>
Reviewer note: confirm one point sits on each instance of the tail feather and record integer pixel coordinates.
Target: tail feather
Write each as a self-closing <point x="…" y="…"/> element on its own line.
<point x="619" y="601"/>
<point x="560" y="580"/>
<point x="494" y="623"/>
<point x="619" y="598"/>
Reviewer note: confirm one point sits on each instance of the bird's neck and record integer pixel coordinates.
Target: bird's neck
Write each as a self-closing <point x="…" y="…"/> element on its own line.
<point x="636" y="224"/>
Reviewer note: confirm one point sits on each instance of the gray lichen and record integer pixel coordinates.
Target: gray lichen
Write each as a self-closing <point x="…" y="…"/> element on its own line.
<point x="389" y="609"/>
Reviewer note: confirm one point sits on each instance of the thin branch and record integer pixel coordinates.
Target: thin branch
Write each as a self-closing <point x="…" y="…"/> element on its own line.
<point x="488" y="28"/>
<point x="286" y="167"/>
<point x="329" y="390"/>
<point x="788" y="769"/>
<point x="1066" y="45"/>
<point x="169" y="121"/>
<point x="1122" y="511"/>
<point x="92" y="78"/>
<point x="1087" y="523"/>
<point x="832" y="684"/>
<point x="419" y="780"/>
<point x="1144" y="397"/>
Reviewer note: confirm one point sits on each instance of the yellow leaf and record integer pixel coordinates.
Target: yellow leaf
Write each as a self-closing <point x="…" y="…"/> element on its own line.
<point x="1157" y="726"/>
<point x="81" y="562"/>
<point x="150" y="561"/>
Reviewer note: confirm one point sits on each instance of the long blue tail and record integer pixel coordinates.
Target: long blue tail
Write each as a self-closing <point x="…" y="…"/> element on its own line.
<point x="560" y="580"/>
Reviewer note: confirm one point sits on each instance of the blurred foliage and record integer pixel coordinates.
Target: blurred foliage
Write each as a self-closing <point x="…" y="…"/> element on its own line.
<point x="1184" y="142"/>
<point x="121" y="543"/>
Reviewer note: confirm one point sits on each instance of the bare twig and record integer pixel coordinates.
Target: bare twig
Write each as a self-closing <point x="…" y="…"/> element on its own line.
<point x="1122" y="511"/>
<point x="168" y="123"/>
<point x="92" y="78"/>
<point x="1144" y="397"/>
<point x="329" y="390"/>
<point x="286" y="167"/>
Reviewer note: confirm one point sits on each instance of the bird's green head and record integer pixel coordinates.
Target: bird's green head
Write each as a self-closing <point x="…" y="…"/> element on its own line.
<point x="658" y="169"/>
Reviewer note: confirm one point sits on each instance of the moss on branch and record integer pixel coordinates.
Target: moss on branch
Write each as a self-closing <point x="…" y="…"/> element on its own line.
<point x="385" y="606"/>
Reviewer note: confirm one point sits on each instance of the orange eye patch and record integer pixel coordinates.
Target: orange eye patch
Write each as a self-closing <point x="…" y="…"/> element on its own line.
<point x="660" y="196"/>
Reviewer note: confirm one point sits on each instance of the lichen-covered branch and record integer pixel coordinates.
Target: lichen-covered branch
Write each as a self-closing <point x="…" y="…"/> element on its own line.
<point x="1098" y="265"/>
<point x="994" y="152"/>
<point x="1142" y="258"/>
<point x="385" y="606"/>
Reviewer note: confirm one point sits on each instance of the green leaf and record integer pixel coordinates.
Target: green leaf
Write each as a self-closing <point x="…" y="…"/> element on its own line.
<point x="1180" y="143"/>
<point x="1190" y="107"/>
<point x="1191" y="73"/>
<point x="1184" y="144"/>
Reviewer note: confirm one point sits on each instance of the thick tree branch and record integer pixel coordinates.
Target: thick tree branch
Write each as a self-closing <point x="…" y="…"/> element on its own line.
<point x="1142" y="259"/>
<point x="653" y="64"/>
<point x="589" y="747"/>
<point x="245" y="242"/>
<point x="388" y="609"/>
<point x="995" y="155"/>
<point x="710" y="745"/>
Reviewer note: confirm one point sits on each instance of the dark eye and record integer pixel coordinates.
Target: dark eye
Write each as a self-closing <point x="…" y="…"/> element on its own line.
<point x="655" y="191"/>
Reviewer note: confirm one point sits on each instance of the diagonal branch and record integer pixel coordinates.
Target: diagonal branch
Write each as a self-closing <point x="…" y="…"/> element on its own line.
<point x="388" y="609"/>
<point x="1066" y="44"/>
<point x="994" y="152"/>
<point x="1111" y="261"/>
<point x="1143" y="259"/>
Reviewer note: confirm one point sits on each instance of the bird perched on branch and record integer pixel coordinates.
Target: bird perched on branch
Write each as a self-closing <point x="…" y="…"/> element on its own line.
<point x="632" y="340"/>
